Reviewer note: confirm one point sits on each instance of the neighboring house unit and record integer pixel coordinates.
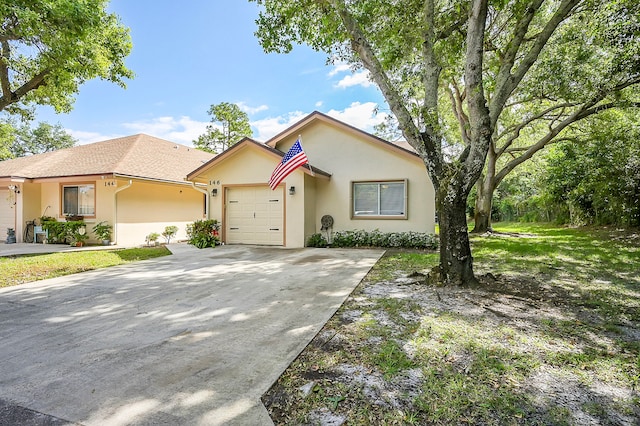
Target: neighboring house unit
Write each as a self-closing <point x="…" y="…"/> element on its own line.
<point x="135" y="183"/>
<point x="361" y="181"/>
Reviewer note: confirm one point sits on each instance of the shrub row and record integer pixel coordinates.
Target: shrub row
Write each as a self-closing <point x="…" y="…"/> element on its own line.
<point x="361" y="238"/>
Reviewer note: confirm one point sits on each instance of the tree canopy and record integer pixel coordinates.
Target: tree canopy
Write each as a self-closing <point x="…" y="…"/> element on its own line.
<point x="591" y="65"/>
<point x="229" y="124"/>
<point x="20" y="141"/>
<point x="488" y="54"/>
<point x="594" y="177"/>
<point x="48" y="48"/>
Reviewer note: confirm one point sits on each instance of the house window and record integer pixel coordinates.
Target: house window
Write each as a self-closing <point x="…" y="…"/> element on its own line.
<point x="380" y="199"/>
<point x="79" y="200"/>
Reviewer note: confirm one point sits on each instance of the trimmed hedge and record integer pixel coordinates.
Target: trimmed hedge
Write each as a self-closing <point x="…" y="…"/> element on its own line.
<point x="361" y="238"/>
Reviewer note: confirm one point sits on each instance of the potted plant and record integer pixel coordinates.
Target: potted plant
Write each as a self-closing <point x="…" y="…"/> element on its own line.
<point x="152" y="238"/>
<point x="79" y="236"/>
<point x="103" y="232"/>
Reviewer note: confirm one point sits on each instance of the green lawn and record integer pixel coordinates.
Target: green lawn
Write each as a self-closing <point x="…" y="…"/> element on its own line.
<point x="21" y="269"/>
<point x="549" y="338"/>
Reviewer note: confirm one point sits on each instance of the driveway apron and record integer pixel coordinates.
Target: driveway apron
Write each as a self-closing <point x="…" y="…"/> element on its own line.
<point x="192" y="338"/>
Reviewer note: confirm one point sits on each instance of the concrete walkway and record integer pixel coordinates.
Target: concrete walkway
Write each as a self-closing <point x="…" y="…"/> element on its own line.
<point x="39" y="248"/>
<point x="190" y="339"/>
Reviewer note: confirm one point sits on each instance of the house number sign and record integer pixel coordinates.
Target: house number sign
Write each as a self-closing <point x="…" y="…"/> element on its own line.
<point x="110" y="183"/>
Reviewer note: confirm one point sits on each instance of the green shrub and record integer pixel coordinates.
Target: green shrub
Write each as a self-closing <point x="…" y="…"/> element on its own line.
<point x="152" y="238"/>
<point x="64" y="232"/>
<point x="102" y="230"/>
<point x="317" y="240"/>
<point x="169" y="232"/>
<point x="56" y="231"/>
<point x="361" y="238"/>
<point x="204" y="233"/>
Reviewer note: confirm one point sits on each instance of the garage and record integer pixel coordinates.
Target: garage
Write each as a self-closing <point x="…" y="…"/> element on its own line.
<point x="7" y="213"/>
<point x="254" y="215"/>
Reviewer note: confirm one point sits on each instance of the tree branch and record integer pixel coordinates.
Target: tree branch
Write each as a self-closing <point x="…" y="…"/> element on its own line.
<point x="424" y="144"/>
<point x="457" y="105"/>
<point x="586" y="110"/>
<point x="506" y="82"/>
<point x="517" y="129"/>
<point x="5" y="83"/>
<point x="479" y="120"/>
<point x="34" y="83"/>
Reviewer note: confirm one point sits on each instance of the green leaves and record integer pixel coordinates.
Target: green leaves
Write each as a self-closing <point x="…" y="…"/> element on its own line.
<point x="51" y="47"/>
<point x="229" y="125"/>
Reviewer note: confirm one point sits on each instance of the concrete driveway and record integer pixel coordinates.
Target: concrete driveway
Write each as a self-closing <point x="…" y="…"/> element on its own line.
<point x="193" y="338"/>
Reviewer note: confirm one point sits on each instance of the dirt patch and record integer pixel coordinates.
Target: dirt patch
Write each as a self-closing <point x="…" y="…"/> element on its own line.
<point x="513" y="350"/>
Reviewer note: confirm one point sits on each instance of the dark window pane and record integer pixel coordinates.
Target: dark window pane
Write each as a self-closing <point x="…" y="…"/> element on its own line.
<point x="70" y="200"/>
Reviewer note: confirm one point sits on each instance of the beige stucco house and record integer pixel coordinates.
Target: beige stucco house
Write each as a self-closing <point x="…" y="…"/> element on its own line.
<point x="135" y="183"/>
<point x="361" y="181"/>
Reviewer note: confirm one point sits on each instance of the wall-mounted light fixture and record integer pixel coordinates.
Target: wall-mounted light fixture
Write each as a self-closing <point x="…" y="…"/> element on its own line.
<point x="14" y="188"/>
<point x="292" y="190"/>
<point x="214" y="192"/>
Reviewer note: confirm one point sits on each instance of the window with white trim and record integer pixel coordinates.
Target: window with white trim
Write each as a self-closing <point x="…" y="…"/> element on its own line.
<point x="79" y="200"/>
<point x="380" y="199"/>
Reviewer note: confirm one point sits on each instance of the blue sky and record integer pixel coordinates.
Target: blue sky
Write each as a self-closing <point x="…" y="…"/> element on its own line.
<point x="188" y="55"/>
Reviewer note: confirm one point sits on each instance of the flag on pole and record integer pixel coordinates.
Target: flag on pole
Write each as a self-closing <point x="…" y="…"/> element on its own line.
<point x="293" y="159"/>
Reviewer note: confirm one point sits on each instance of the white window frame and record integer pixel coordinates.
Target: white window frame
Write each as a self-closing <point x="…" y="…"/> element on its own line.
<point x="380" y="184"/>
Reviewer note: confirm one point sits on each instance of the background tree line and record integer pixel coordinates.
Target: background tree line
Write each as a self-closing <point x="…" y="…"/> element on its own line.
<point x="22" y="140"/>
<point x="591" y="177"/>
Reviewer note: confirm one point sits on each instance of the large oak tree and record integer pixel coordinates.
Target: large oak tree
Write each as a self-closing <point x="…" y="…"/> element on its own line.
<point x="415" y="50"/>
<point x="591" y="66"/>
<point x="48" y="48"/>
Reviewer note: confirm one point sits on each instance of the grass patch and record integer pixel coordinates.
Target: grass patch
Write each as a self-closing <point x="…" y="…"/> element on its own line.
<point x="553" y="339"/>
<point x="22" y="269"/>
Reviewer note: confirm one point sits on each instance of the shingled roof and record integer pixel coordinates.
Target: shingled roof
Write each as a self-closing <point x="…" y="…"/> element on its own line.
<point x="137" y="156"/>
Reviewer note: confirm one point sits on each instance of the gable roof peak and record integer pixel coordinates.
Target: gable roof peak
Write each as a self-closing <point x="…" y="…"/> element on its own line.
<point x="317" y="116"/>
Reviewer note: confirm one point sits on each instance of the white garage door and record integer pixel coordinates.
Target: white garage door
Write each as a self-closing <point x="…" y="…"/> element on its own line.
<point x="7" y="215"/>
<point x="255" y="215"/>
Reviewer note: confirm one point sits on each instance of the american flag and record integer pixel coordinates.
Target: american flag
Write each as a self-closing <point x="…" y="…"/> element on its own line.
<point x="293" y="159"/>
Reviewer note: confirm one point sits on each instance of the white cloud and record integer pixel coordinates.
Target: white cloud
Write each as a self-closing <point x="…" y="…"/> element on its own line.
<point x="338" y="68"/>
<point x="251" y="110"/>
<point x="182" y="130"/>
<point x="360" y="78"/>
<point x="269" y="127"/>
<point x="361" y="116"/>
<point x="319" y="104"/>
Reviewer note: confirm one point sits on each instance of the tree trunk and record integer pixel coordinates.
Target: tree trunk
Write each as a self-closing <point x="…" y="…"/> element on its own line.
<point x="484" y="203"/>
<point x="484" y="197"/>
<point x="456" y="262"/>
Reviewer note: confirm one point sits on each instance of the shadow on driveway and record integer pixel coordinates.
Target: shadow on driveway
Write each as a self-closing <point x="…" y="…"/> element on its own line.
<point x="193" y="338"/>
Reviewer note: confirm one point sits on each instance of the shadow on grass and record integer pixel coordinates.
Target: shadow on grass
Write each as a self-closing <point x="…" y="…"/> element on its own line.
<point x="554" y="339"/>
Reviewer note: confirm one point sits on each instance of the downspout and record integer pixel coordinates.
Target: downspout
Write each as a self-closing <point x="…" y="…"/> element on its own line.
<point x="206" y="198"/>
<point x="115" y="210"/>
